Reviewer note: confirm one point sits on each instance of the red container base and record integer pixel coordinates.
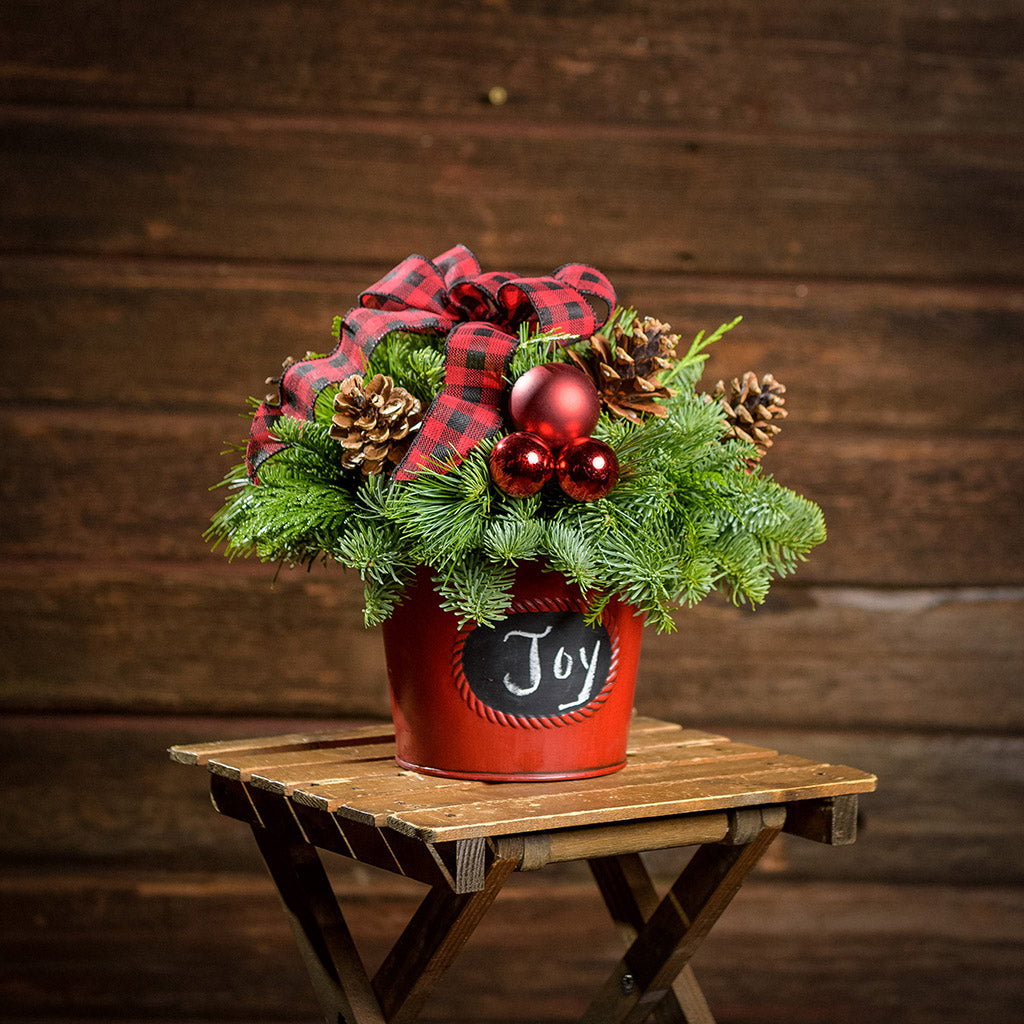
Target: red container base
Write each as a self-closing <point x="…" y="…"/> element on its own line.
<point x="482" y="776"/>
<point x="539" y="697"/>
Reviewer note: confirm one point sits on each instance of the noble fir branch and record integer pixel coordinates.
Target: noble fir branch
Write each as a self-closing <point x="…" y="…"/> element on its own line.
<point x="413" y="361"/>
<point x="384" y="562"/>
<point x="476" y="590"/>
<point x="676" y="442"/>
<point x="282" y="522"/>
<point x="523" y="510"/>
<point x="310" y="453"/>
<point x="740" y="557"/>
<point x="574" y="553"/>
<point x="798" y="528"/>
<point x="744" y="502"/>
<point x="695" y="573"/>
<point x="372" y="496"/>
<point x="778" y="516"/>
<point x="380" y="600"/>
<point x="639" y="573"/>
<point x="639" y="506"/>
<point x="443" y="514"/>
<point x="700" y="501"/>
<point x="511" y="539"/>
<point x="380" y="554"/>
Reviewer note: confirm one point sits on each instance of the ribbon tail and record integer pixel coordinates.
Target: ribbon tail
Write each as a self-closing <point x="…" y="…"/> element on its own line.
<point x="302" y="382"/>
<point x="300" y="385"/>
<point x="469" y="406"/>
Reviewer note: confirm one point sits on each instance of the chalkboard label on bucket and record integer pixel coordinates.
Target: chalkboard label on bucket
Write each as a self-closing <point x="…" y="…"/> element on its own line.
<point x="539" y="664"/>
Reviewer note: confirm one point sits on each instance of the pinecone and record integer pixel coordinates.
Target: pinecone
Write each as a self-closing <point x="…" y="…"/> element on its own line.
<point x="751" y="408"/>
<point x="373" y="422"/>
<point x="275" y="398"/>
<point x="627" y="375"/>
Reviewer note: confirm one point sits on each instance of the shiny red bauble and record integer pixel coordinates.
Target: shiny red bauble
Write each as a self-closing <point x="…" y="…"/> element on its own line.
<point x="521" y="464"/>
<point x="587" y="469"/>
<point x="555" y="401"/>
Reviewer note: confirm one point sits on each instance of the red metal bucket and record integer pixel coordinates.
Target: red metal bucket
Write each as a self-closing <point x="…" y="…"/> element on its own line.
<point x="540" y="696"/>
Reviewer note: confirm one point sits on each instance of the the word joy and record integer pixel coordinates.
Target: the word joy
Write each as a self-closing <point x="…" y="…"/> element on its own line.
<point x="562" y="666"/>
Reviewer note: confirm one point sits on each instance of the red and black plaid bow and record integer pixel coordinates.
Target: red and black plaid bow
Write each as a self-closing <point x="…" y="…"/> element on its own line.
<point x="480" y="313"/>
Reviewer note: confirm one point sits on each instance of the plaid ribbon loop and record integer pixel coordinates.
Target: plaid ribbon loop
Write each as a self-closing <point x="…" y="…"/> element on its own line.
<point x="479" y="312"/>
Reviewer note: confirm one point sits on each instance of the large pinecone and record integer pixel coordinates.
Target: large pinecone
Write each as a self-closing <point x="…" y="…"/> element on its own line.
<point x="625" y="369"/>
<point x="373" y="422"/>
<point x="751" y="408"/>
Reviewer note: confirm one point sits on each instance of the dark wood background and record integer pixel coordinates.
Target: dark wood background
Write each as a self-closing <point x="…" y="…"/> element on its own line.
<point x="190" y="191"/>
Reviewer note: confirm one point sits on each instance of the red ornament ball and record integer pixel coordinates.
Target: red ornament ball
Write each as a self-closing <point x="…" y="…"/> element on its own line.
<point x="521" y="464"/>
<point x="555" y="401"/>
<point x="587" y="469"/>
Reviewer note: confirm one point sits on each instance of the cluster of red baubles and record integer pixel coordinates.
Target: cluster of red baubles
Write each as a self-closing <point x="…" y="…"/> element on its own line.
<point x="555" y="407"/>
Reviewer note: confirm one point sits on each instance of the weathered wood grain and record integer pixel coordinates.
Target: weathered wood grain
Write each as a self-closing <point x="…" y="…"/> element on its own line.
<point x="902" y="510"/>
<point x="222" y="639"/>
<point x="946" y="809"/>
<point x="271" y="187"/>
<point x="192" y="191"/>
<point x="165" y="638"/>
<point x="648" y="794"/>
<point x="783" y="951"/>
<point x="306" y="774"/>
<point x="675" y="930"/>
<point x="321" y="932"/>
<point x="843" y="659"/>
<point x="821" y="67"/>
<point x="285" y="750"/>
<point x="205" y="335"/>
<point x="923" y="783"/>
<point x="669" y="771"/>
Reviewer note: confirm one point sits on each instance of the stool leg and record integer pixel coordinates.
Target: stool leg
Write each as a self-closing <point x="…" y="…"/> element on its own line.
<point x="675" y="930"/>
<point x="323" y="938"/>
<point x="630" y="897"/>
<point x="431" y="941"/>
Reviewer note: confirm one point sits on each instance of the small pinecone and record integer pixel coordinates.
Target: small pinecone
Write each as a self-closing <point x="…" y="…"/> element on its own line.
<point x="751" y="408"/>
<point x="275" y="398"/>
<point x="373" y="422"/>
<point x="627" y="377"/>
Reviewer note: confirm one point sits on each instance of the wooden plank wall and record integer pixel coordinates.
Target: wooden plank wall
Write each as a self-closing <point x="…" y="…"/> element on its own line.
<point x="192" y="190"/>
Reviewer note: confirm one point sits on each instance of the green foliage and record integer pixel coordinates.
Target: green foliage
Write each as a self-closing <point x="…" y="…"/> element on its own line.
<point x="535" y="349"/>
<point x="476" y="590"/>
<point x="416" y="361"/>
<point x="688" y="369"/>
<point x="688" y="516"/>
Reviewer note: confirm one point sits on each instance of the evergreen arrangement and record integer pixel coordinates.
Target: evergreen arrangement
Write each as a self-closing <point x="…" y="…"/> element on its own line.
<point x="691" y="510"/>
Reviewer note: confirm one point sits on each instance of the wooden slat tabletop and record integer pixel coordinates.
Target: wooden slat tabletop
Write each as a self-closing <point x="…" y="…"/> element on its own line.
<point x="671" y="770"/>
